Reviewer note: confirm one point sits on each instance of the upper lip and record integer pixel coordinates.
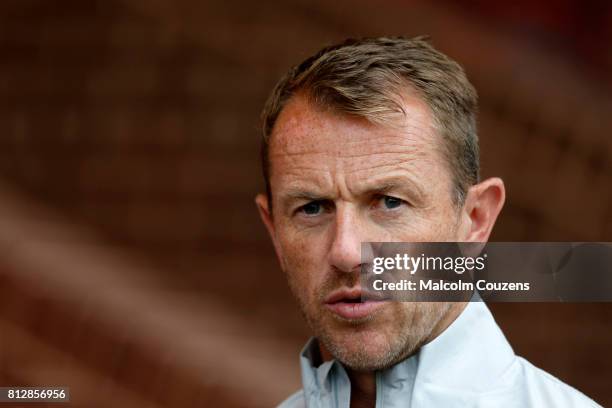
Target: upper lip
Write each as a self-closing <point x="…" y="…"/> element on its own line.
<point x="340" y="295"/>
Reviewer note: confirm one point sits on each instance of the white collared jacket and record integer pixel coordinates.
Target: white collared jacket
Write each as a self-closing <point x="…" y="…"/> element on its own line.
<point x="470" y="364"/>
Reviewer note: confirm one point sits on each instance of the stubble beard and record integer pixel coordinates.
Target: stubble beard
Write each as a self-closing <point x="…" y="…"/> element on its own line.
<point x="403" y="326"/>
<point x="415" y="324"/>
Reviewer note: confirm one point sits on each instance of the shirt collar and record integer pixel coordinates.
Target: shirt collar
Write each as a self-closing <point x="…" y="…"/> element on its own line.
<point x="469" y="355"/>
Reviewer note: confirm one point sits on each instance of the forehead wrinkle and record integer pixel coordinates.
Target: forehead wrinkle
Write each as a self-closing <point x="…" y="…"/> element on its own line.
<point x="365" y="179"/>
<point x="343" y="176"/>
<point x="408" y="166"/>
<point x="411" y="149"/>
<point x="301" y="125"/>
<point x="336" y="146"/>
<point x="410" y="161"/>
<point x="306" y="179"/>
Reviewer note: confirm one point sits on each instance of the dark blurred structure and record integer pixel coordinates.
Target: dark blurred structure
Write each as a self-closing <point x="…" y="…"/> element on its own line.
<point x="134" y="268"/>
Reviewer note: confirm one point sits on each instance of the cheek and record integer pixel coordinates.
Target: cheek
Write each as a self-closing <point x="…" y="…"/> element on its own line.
<point x="304" y="259"/>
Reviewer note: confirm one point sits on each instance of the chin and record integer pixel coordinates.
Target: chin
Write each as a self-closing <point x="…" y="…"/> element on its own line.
<point x="363" y="348"/>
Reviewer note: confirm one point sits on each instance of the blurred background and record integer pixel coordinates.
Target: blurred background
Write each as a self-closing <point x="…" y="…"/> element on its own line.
<point x="133" y="266"/>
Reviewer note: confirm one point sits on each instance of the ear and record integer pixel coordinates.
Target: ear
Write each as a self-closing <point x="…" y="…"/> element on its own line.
<point x="482" y="205"/>
<point x="261" y="200"/>
<point x="263" y="206"/>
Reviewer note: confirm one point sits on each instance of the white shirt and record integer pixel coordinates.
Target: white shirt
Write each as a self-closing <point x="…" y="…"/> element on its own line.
<point x="470" y="364"/>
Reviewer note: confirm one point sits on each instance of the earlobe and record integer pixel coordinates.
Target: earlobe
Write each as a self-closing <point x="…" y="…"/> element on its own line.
<point x="483" y="204"/>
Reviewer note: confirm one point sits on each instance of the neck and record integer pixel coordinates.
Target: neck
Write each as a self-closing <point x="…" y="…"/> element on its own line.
<point x="363" y="389"/>
<point x="363" y="383"/>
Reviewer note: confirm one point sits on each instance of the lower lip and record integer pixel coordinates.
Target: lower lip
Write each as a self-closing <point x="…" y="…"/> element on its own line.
<point x="355" y="310"/>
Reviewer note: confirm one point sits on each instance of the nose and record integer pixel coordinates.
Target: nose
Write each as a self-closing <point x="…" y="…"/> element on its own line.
<point x="345" y="252"/>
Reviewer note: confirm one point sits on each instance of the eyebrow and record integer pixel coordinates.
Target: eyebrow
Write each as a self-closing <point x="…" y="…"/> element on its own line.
<point x="305" y="195"/>
<point x="384" y="188"/>
<point x="288" y="198"/>
<point x="390" y="184"/>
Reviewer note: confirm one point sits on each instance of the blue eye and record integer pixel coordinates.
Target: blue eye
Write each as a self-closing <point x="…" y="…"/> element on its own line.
<point x="391" y="202"/>
<point x="312" y="208"/>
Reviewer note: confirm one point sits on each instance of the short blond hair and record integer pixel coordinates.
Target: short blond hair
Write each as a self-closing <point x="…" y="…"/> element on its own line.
<point x="366" y="78"/>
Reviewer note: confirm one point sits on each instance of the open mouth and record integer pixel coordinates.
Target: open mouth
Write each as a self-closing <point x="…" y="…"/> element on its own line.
<point x="352" y="303"/>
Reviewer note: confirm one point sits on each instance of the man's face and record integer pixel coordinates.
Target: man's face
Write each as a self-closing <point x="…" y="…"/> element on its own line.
<point x="338" y="181"/>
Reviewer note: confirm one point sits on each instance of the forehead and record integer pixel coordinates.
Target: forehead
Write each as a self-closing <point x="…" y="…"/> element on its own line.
<point x="305" y="133"/>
